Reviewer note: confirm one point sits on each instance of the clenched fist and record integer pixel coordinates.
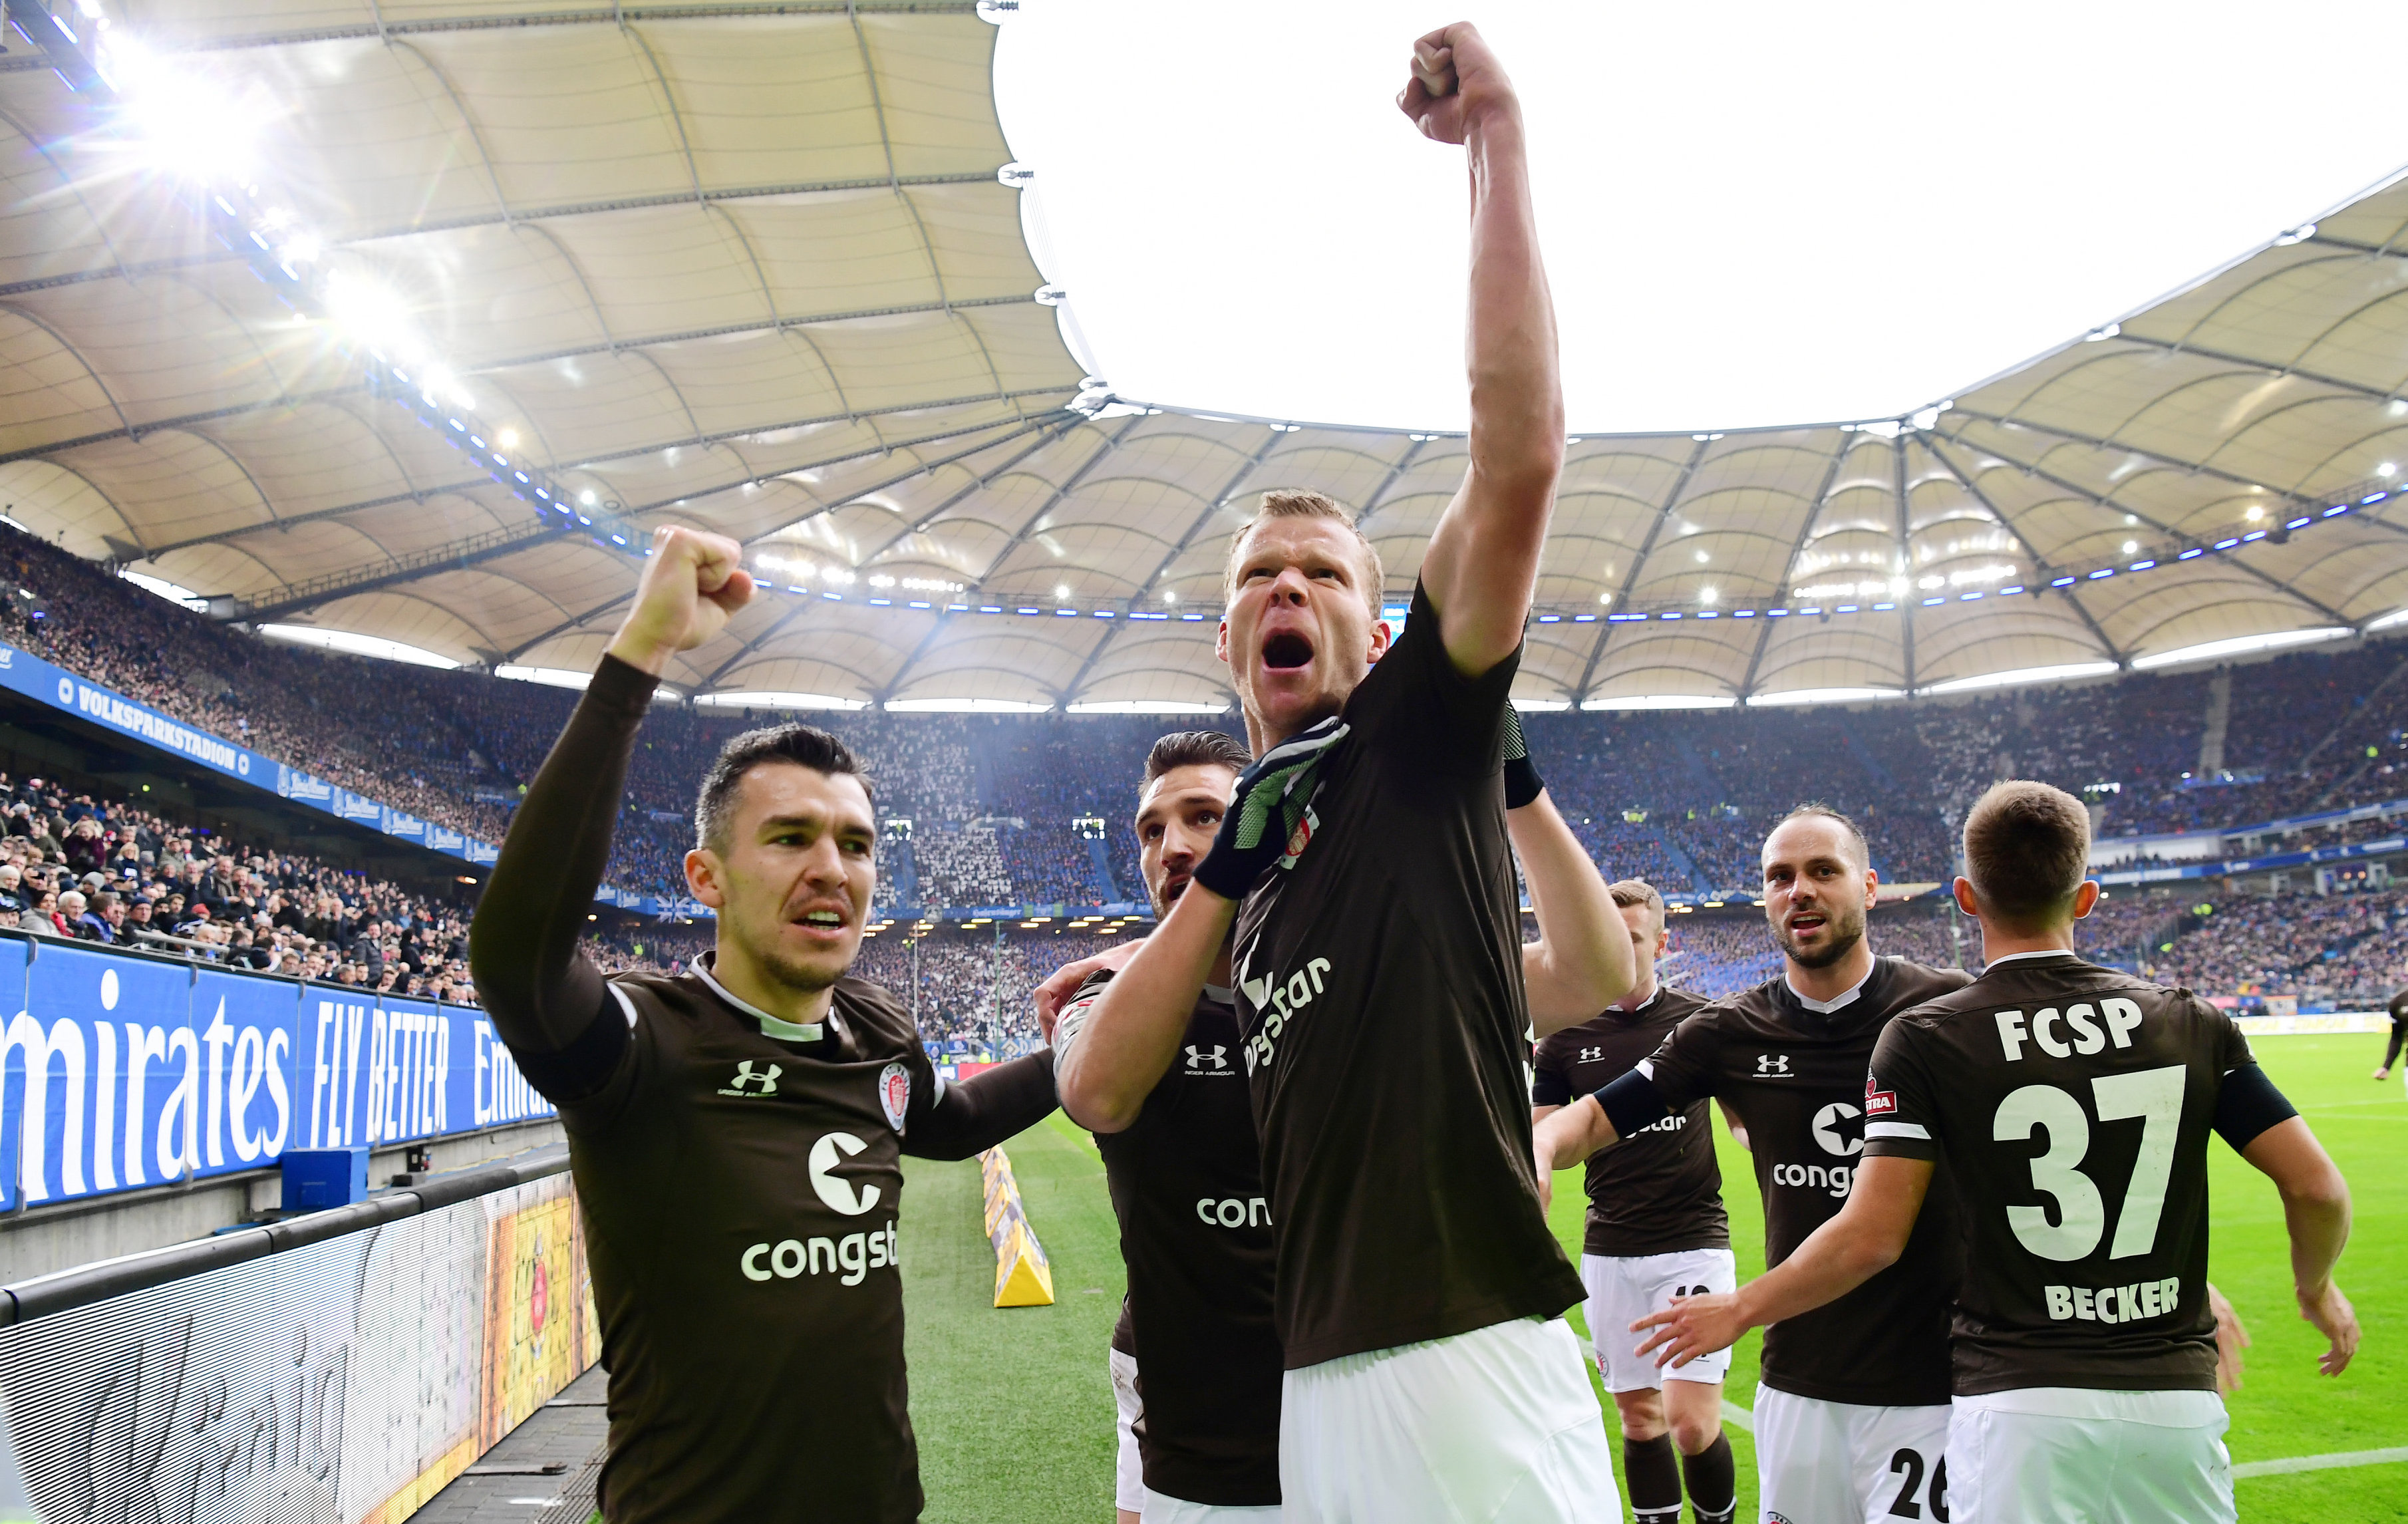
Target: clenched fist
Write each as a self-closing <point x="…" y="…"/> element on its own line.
<point x="691" y="587"/>
<point x="1456" y="83"/>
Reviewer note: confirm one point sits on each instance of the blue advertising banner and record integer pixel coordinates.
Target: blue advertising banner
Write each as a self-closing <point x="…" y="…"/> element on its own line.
<point x="119" y="1071"/>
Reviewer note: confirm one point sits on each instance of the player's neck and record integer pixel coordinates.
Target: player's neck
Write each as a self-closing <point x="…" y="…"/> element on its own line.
<point x="2000" y="941"/>
<point x="1641" y="993"/>
<point x="741" y="977"/>
<point x="1833" y="979"/>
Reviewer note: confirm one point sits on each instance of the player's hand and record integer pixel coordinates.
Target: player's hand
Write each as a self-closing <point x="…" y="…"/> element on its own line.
<point x="1457" y="83"/>
<point x="693" y="584"/>
<point x="1055" y="992"/>
<point x="2337" y="1320"/>
<point x="1265" y="809"/>
<point x="2231" y="1338"/>
<point x="1692" y="1326"/>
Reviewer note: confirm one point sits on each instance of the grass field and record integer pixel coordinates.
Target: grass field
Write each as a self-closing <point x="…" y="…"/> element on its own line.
<point x="1014" y="1410"/>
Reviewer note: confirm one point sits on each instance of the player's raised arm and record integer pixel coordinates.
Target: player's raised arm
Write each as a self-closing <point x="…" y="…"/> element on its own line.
<point x="1483" y="560"/>
<point x="1584" y="959"/>
<point x="545" y="1000"/>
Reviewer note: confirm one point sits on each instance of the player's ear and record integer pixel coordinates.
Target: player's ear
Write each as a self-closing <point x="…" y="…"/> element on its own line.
<point x="1381" y="636"/>
<point x="702" y="876"/>
<point x="1221" y="642"/>
<point x="2086" y="898"/>
<point x="1963" y="890"/>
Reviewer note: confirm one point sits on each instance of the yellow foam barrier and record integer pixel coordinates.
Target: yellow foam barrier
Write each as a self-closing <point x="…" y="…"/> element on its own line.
<point x="1022" y="1278"/>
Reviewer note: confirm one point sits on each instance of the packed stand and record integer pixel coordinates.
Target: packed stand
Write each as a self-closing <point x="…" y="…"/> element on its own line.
<point x="109" y="872"/>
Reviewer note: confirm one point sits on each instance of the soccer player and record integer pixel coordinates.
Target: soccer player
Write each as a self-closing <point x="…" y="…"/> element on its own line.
<point x="1656" y="1231"/>
<point x="735" y="1130"/>
<point x="1196" y="1363"/>
<point x="2071" y="1105"/>
<point x="2399" y="1034"/>
<point x="1852" y="1398"/>
<point x="1208" y="1292"/>
<point x="1364" y="865"/>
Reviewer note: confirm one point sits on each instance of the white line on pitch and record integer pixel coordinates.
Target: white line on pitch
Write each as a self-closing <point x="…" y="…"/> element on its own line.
<point x="1737" y="1417"/>
<point x="2320" y="1462"/>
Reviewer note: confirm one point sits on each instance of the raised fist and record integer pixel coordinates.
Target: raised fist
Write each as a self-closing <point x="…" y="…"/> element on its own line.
<point x="693" y="584"/>
<point x="1456" y="82"/>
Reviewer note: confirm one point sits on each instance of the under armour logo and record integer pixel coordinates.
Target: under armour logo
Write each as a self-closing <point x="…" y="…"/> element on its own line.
<point x="1217" y="1056"/>
<point x="747" y="1082"/>
<point x="1772" y="1063"/>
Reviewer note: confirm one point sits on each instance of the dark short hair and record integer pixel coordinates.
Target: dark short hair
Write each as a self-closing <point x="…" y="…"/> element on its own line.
<point x="1824" y="811"/>
<point x="1194" y="749"/>
<point x="2026" y="851"/>
<point x="805" y="746"/>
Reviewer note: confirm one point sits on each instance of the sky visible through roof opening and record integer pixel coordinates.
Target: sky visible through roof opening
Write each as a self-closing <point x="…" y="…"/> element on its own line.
<point x="1752" y="214"/>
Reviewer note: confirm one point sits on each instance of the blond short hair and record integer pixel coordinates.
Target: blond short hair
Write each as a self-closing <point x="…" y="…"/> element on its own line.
<point x="1296" y="504"/>
<point x="1629" y="892"/>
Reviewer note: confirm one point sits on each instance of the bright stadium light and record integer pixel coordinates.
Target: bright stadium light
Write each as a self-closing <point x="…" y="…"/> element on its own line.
<point x="178" y="117"/>
<point x="2243" y="646"/>
<point x="1659" y="701"/>
<point x="780" y="700"/>
<point x="1145" y="706"/>
<point x="2023" y="675"/>
<point x="355" y="645"/>
<point x="966" y="706"/>
<point x="1822" y="696"/>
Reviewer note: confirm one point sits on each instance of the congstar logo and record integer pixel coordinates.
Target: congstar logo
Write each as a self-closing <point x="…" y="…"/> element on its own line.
<point x="747" y="1081"/>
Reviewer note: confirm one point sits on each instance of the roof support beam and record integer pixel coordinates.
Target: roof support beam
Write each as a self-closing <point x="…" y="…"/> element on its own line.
<point x="457" y="555"/>
<point x="1069" y="484"/>
<point x="2039" y="562"/>
<point x="1788" y="567"/>
<point x="1905" y="556"/>
<point x="976" y="484"/>
<point x="775" y="324"/>
<point x="565" y="626"/>
<point x="1042" y="421"/>
<point x="2108" y="501"/>
<point x="2268" y="367"/>
<point x="1195" y="532"/>
<point x="2196" y="467"/>
<point x="1637" y="562"/>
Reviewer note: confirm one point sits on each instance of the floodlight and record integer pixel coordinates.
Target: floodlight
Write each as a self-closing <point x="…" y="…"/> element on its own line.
<point x="178" y="116"/>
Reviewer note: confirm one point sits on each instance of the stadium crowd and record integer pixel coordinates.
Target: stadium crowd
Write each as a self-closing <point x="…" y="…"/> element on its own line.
<point x="988" y="809"/>
<point x="107" y="872"/>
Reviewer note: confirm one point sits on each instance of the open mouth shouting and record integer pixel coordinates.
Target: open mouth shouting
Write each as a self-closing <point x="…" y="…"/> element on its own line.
<point x="1805" y="923"/>
<point x="1285" y="650"/>
<point x="823" y="923"/>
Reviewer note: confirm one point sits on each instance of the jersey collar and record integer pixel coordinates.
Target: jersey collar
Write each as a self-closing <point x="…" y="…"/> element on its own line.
<point x="1845" y="999"/>
<point x="2017" y="958"/>
<point x="784" y="1031"/>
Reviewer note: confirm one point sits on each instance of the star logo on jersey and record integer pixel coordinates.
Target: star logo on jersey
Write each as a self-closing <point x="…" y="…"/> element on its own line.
<point x="1212" y="1061"/>
<point x="1772" y="1064"/>
<point x="749" y="1081"/>
<point x="1827" y="1130"/>
<point x="894" y="1093"/>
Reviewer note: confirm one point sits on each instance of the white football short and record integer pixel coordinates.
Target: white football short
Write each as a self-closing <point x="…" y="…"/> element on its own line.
<point x="1499" y="1423"/>
<point x="1819" y="1462"/>
<point x="2057" y="1454"/>
<point x="1623" y="1288"/>
<point x="1129" y="1472"/>
<point x="1166" y="1510"/>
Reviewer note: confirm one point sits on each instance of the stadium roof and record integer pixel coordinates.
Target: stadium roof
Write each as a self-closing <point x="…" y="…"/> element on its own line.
<point x="760" y="267"/>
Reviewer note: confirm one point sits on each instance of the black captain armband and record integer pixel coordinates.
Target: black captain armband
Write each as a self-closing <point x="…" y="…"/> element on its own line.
<point x="584" y="1066"/>
<point x="1633" y="1104"/>
<point x="2247" y="1105"/>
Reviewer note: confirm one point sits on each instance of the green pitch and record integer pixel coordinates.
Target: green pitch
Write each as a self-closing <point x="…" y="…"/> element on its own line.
<point x="1014" y="1409"/>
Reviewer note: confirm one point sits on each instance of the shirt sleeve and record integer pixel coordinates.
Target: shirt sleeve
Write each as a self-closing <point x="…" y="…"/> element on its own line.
<point x="1683" y="1067"/>
<point x="546" y="1000"/>
<point x="1900" y="1104"/>
<point x="969" y="1115"/>
<point x="1550" y="1081"/>
<point x="1414" y="702"/>
<point x="2231" y="1042"/>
